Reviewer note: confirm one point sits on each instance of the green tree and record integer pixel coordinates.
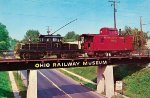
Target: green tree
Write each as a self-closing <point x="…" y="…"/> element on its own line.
<point x="77" y="37"/>
<point x="4" y="38"/>
<point x="71" y="36"/>
<point x="3" y="45"/>
<point x="13" y="43"/>
<point x="31" y="36"/>
<point x="140" y="37"/>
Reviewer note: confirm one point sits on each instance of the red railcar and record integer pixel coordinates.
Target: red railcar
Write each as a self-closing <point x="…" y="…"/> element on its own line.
<point x="107" y="43"/>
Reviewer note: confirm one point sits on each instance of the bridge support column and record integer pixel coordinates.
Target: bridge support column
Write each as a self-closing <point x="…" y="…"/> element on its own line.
<point x="100" y="80"/>
<point x="105" y="80"/>
<point x="32" y="84"/>
<point x="148" y="66"/>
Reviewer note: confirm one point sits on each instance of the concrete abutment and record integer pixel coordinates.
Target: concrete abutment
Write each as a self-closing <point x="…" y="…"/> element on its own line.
<point x="32" y="84"/>
<point x="105" y="80"/>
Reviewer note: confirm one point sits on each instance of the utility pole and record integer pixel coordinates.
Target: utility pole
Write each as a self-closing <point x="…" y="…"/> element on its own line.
<point x="115" y="10"/>
<point x="141" y="33"/>
<point x="141" y="23"/>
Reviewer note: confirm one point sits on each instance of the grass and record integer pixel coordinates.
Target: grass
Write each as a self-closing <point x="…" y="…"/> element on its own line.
<point x="92" y="86"/>
<point x="138" y="84"/>
<point x="86" y="72"/>
<point x="5" y="86"/>
<point x="136" y="79"/>
<point x="20" y="85"/>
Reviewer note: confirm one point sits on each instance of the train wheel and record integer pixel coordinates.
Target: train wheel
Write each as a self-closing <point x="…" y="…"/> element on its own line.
<point x="26" y="56"/>
<point x="59" y="56"/>
<point x="35" y="55"/>
<point x="91" y="56"/>
<point x="23" y="55"/>
<point x="41" y="55"/>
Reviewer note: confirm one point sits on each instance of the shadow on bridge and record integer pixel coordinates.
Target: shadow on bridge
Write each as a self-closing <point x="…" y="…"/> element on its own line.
<point x="124" y="70"/>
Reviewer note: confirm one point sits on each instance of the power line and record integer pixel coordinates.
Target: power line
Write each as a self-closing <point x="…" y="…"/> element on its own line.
<point x="115" y="10"/>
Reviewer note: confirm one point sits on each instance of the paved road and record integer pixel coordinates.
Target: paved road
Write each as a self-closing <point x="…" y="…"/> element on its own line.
<point x="53" y="84"/>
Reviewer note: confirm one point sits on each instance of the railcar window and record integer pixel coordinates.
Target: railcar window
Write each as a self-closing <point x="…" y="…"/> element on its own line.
<point x="56" y="40"/>
<point x="82" y="39"/>
<point x="60" y="40"/>
<point x="112" y="31"/>
<point x="89" y="45"/>
<point x="90" y="39"/>
<point x="41" y="39"/>
<point x="101" y="31"/>
<point x="102" y="40"/>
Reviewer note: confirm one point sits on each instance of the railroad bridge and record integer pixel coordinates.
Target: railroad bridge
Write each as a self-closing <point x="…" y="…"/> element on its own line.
<point x="105" y="79"/>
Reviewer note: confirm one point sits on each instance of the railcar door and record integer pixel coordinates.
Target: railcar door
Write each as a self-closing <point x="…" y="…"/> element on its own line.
<point x="56" y="45"/>
<point x="90" y="42"/>
<point x="87" y="44"/>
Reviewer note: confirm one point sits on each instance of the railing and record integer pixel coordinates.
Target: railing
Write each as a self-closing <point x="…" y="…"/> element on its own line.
<point x="145" y="52"/>
<point x="7" y="54"/>
<point x="138" y="53"/>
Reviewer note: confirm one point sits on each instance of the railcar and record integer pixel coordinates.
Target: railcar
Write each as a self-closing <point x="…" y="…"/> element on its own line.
<point x="48" y="45"/>
<point x="107" y="43"/>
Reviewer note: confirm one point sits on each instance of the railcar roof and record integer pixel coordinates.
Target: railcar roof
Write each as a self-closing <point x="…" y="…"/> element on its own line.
<point x="96" y="35"/>
<point x="110" y="28"/>
<point x="92" y="35"/>
<point x="50" y="36"/>
<point x="89" y="34"/>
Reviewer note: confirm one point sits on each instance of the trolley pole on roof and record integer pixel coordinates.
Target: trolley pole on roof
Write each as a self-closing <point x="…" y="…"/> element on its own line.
<point x="115" y="10"/>
<point x="48" y="30"/>
<point x="64" y="26"/>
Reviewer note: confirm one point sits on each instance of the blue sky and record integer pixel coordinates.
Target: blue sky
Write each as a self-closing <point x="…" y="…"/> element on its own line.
<point x="22" y="15"/>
